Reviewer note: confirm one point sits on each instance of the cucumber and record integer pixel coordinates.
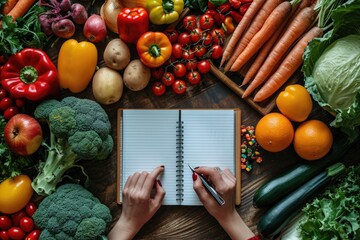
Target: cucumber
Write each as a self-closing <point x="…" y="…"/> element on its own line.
<point x="276" y="188"/>
<point x="279" y="215"/>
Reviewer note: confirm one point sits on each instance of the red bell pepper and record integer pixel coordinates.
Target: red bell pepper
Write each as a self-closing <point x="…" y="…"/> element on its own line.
<point x="30" y="74"/>
<point x="132" y="23"/>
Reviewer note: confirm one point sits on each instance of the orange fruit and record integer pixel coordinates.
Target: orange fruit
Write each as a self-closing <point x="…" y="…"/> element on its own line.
<point x="274" y="132"/>
<point x="312" y="140"/>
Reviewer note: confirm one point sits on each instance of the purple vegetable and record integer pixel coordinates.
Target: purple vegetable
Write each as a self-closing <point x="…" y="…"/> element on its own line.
<point x="45" y="23"/>
<point x="78" y="13"/>
<point x="65" y="6"/>
<point x="63" y="28"/>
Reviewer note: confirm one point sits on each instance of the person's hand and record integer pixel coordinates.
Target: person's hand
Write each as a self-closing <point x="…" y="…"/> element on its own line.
<point x="142" y="197"/>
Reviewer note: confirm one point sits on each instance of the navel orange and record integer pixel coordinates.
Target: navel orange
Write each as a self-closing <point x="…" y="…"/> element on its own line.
<point x="274" y="132"/>
<point x="312" y="140"/>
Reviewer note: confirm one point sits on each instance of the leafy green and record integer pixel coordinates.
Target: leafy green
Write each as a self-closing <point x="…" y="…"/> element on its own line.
<point x="338" y="88"/>
<point x="196" y="4"/>
<point x="335" y="214"/>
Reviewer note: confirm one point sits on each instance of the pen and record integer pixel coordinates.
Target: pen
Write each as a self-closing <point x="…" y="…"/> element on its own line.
<point x="210" y="189"/>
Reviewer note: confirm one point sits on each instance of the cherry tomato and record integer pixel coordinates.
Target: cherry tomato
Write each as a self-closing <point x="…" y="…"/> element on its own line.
<point x="219" y="18"/>
<point x="188" y="54"/>
<point x="207" y="39"/>
<point x="17" y="216"/>
<point x="206" y="21"/>
<point x="211" y="12"/>
<point x="179" y="70"/>
<point x="168" y="79"/>
<point x="179" y="87"/>
<point x="30" y="208"/>
<point x="158" y="88"/>
<point x="10" y="112"/>
<point x="3" y="93"/>
<point x="224" y="8"/>
<point x="172" y="34"/>
<point x="16" y="233"/>
<point x="26" y="224"/>
<point x="157" y="73"/>
<point x="5" y="222"/>
<point x="20" y="102"/>
<point x="34" y="235"/>
<point x="199" y="50"/>
<point x="189" y="22"/>
<point x="203" y="66"/>
<point x="218" y="36"/>
<point x="211" y="6"/>
<point x="216" y="51"/>
<point x="191" y="65"/>
<point x="195" y="35"/>
<point x="184" y="38"/>
<point x="193" y="77"/>
<point x="177" y="50"/>
<point x="5" y="103"/>
<point x="4" y="235"/>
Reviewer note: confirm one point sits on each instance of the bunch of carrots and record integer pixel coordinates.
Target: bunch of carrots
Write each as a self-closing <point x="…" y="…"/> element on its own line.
<point x="272" y="36"/>
<point x="17" y="8"/>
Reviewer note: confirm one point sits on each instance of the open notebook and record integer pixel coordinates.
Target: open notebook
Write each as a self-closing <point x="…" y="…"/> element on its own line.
<point x="175" y="138"/>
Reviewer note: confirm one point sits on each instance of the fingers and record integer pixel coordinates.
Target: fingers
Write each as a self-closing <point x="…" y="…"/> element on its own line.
<point x="159" y="194"/>
<point x="200" y="189"/>
<point x="151" y="178"/>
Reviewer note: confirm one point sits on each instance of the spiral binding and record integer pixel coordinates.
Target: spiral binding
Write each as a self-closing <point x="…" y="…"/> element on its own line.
<point x="179" y="162"/>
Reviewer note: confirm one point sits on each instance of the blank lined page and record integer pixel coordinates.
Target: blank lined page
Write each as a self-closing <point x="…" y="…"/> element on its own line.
<point x="149" y="140"/>
<point x="209" y="137"/>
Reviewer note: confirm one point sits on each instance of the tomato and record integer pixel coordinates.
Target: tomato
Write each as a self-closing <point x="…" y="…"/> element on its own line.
<point x="179" y="70"/>
<point x="3" y="93"/>
<point x="199" y="50"/>
<point x="211" y="12"/>
<point x="206" y="21"/>
<point x="211" y="6"/>
<point x="177" y="50"/>
<point x="204" y="66"/>
<point x="30" y="208"/>
<point x="189" y="22"/>
<point x="157" y="73"/>
<point x="16" y="233"/>
<point x="4" y="235"/>
<point x="184" y="38"/>
<point x="20" y="102"/>
<point x="219" y="18"/>
<point x="10" y="112"/>
<point x="179" y="87"/>
<point x="172" y="34"/>
<point x="34" y="235"/>
<point x="168" y="79"/>
<point x="15" y="217"/>
<point x="15" y="193"/>
<point x="195" y="35"/>
<point x="26" y="224"/>
<point x="5" y="103"/>
<point x="5" y="222"/>
<point x="158" y="88"/>
<point x="193" y="77"/>
<point x="218" y="36"/>
<point x="188" y="54"/>
<point x="207" y="39"/>
<point x="191" y="65"/>
<point x="216" y="51"/>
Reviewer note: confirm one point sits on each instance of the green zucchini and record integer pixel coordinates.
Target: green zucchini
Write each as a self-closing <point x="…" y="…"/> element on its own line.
<point x="279" y="215"/>
<point x="276" y="188"/>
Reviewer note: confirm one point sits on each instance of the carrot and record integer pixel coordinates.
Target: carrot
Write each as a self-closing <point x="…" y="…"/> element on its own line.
<point x="21" y="7"/>
<point x="8" y="6"/>
<point x="287" y="68"/>
<point x="240" y="28"/>
<point x="254" y="27"/>
<point x="272" y="23"/>
<point x="296" y="28"/>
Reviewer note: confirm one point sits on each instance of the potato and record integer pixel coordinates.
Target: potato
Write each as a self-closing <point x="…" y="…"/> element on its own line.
<point x="136" y="75"/>
<point x="117" y="54"/>
<point x="107" y="86"/>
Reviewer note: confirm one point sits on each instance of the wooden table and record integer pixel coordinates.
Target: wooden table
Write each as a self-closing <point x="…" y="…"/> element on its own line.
<point x="178" y="222"/>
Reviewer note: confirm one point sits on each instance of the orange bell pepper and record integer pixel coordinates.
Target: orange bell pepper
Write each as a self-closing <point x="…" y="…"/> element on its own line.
<point x="76" y="64"/>
<point x="154" y="49"/>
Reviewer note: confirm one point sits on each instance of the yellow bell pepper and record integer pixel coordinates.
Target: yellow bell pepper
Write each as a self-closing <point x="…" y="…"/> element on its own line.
<point x="76" y="64"/>
<point x="164" y="11"/>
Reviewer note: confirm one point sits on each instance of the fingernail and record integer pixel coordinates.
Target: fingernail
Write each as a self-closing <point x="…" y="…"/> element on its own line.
<point x="162" y="166"/>
<point x="159" y="182"/>
<point x="196" y="167"/>
<point x="194" y="176"/>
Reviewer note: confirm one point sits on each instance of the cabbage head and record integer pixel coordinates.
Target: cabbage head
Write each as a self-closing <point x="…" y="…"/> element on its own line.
<point x="332" y="68"/>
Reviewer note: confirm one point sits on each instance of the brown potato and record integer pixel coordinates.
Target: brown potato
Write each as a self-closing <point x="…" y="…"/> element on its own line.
<point x="136" y="75"/>
<point x="107" y="86"/>
<point x="117" y="54"/>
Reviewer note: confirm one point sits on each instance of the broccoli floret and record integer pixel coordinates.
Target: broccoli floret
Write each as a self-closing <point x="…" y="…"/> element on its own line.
<point x="79" y="130"/>
<point x="82" y="218"/>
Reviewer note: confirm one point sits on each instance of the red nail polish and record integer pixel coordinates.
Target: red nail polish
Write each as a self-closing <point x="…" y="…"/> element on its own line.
<point x="159" y="182"/>
<point x="162" y="166"/>
<point x="194" y="176"/>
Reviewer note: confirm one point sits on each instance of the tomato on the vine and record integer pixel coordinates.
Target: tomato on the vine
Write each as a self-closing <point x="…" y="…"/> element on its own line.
<point x="177" y="50"/>
<point x="168" y="79"/>
<point x="193" y="77"/>
<point x="204" y="66"/>
<point x="195" y="35"/>
<point x="216" y="51"/>
<point x="184" y="38"/>
<point x="188" y="54"/>
<point x="206" y="21"/>
<point x="207" y="39"/>
<point x="191" y="65"/>
<point x="157" y="73"/>
<point x="218" y="36"/>
<point x="172" y="34"/>
<point x="199" y="50"/>
<point x="189" y="22"/>
<point x="179" y="87"/>
<point x="179" y="70"/>
<point x="158" y="88"/>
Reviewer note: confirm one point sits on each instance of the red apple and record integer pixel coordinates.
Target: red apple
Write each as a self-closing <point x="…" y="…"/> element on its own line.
<point x="95" y="28"/>
<point x="23" y="134"/>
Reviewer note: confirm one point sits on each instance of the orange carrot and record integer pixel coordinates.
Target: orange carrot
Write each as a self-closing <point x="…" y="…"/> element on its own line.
<point x="272" y="23"/>
<point x="21" y="7"/>
<point x="10" y="4"/>
<point x="254" y="27"/>
<point x="287" y="68"/>
<point x="240" y="28"/>
<point x="296" y="28"/>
